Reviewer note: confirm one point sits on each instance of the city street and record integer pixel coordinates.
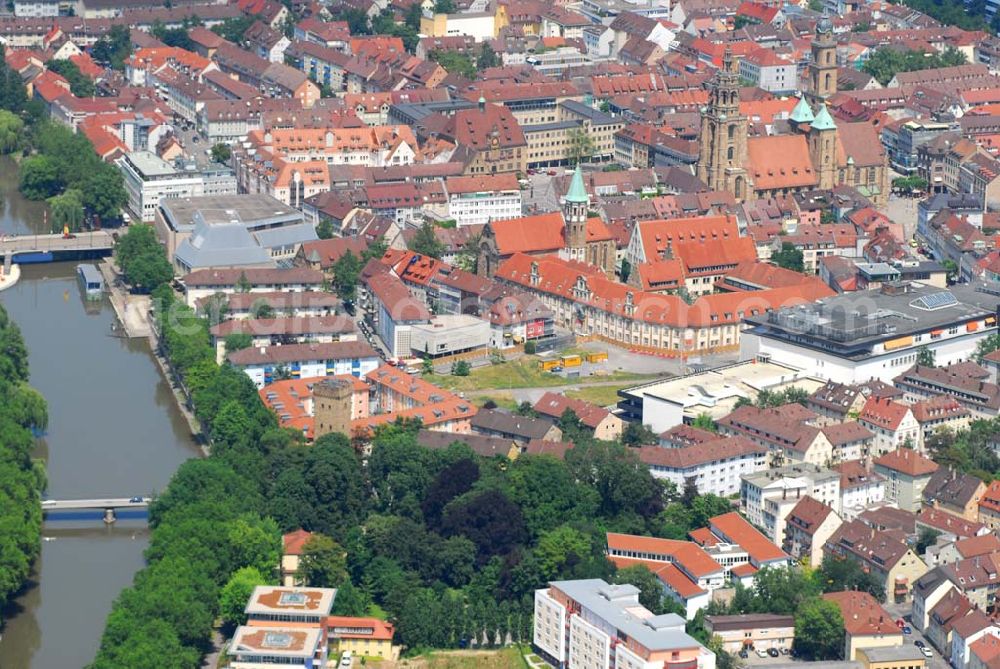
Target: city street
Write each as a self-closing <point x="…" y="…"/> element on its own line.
<point x="903" y="210"/>
<point x="903" y="611"/>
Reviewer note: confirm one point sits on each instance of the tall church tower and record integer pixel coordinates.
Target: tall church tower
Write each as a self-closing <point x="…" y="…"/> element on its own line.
<point x="823" y="147"/>
<point x="823" y="68"/>
<point x="724" y="134"/>
<point x="576" y="204"/>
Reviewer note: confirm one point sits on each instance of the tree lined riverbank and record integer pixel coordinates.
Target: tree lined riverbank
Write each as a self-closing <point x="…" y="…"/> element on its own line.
<point x="23" y="413"/>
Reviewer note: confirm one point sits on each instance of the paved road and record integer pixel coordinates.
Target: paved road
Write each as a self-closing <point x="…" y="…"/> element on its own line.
<point x="903" y="611"/>
<point x="903" y="210"/>
<point x="539" y="197"/>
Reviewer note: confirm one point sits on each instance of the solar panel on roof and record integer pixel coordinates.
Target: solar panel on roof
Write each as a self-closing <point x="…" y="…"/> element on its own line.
<point x="936" y="301"/>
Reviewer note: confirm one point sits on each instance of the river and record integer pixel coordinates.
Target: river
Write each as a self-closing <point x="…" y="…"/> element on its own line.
<point x="114" y="430"/>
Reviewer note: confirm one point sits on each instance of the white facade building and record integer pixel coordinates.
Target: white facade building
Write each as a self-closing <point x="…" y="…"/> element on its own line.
<point x="267" y="364"/>
<point x="716" y="467"/>
<point x="856" y="337"/>
<point x="479" y="200"/>
<point x="589" y="624"/>
<point x="34" y="9"/>
<point x="767" y="497"/>
<point x="148" y="179"/>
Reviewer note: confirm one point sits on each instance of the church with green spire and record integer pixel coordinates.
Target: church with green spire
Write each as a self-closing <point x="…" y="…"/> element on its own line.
<point x="808" y="150"/>
<point x="571" y="234"/>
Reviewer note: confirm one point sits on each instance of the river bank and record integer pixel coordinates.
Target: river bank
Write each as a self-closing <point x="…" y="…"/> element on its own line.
<point x="115" y="428"/>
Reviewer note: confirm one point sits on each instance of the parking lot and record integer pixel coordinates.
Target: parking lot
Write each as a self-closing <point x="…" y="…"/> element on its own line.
<point x="755" y="660"/>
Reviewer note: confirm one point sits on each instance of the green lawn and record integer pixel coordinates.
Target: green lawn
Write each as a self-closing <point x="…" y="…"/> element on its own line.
<point x="600" y="395"/>
<point x="522" y="373"/>
<point x="376" y="611"/>
<point x="502" y="398"/>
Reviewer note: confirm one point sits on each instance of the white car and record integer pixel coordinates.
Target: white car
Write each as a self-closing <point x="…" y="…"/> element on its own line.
<point x="345" y="659"/>
<point x="761" y="652"/>
<point x="926" y="652"/>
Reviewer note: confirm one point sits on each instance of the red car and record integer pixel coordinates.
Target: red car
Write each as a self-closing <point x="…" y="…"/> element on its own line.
<point x="900" y="623"/>
<point x="551" y="173"/>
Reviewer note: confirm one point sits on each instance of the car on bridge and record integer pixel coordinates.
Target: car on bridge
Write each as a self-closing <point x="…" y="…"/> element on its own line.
<point x="136" y="500"/>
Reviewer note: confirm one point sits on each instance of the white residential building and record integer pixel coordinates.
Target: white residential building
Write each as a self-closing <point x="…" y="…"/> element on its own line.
<point x="767" y="497"/>
<point x="269" y="363"/>
<point x="480" y="199"/>
<point x="208" y="282"/>
<point x="716" y="466"/>
<point x="591" y="624"/>
<point x="35" y="9"/>
<point x="769" y="71"/>
<point x="860" y="489"/>
<point x="892" y="423"/>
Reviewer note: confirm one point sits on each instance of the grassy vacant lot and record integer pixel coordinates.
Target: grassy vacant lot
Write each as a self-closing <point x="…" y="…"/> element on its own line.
<point x="521" y="373"/>
<point x="502" y="398"/>
<point x="507" y="658"/>
<point x="602" y="396"/>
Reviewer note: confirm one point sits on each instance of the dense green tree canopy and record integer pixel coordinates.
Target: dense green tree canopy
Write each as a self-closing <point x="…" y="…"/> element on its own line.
<point x="79" y="84"/>
<point x="21" y="480"/>
<point x="886" y="62"/>
<point x="142" y="259"/>
<point x="819" y="631"/>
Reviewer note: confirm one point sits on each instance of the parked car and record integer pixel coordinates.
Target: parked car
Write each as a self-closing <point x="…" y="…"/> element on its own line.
<point x="761" y="652"/>
<point x="743" y="653"/>
<point x="345" y="659"/>
<point x="900" y="623"/>
<point x="784" y="651"/>
<point x="926" y="652"/>
<point x="907" y="629"/>
<point x="773" y="652"/>
<point x="918" y="643"/>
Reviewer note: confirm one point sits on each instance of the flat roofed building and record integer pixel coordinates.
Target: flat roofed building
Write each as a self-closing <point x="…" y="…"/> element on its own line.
<point x="449" y="335"/>
<point x="282" y="604"/>
<point x="856" y="337"/>
<point x="752" y="630"/>
<point x="665" y="403"/>
<point x="149" y="179"/>
<point x="255" y="647"/>
<point x="892" y="657"/>
<point x="590" y="623"/>
<point x="178" y="217"/>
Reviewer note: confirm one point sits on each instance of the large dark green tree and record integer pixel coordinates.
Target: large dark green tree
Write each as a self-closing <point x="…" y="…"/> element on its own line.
<point x="819" y="631"/>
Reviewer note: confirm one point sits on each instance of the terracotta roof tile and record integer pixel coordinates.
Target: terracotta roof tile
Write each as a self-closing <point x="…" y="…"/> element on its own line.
<point x="907" y="461"/>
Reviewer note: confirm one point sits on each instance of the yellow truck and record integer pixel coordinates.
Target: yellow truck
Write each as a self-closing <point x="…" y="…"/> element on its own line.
<point x="571" y="361"/>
